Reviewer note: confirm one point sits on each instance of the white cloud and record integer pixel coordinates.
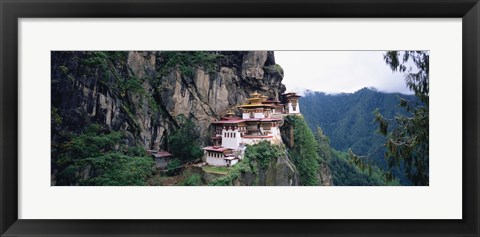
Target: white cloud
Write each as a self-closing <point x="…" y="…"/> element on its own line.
<point x="338" y="71"/>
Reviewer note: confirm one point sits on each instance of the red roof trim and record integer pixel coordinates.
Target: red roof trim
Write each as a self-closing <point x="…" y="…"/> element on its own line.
<point x="256" y="136"/>
<point x="263" y="120"/>
<point x="216" y="149"/>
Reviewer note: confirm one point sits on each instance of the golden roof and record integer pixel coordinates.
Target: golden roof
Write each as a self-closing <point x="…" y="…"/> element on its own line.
<point x="256" y="101"/>
<point x="256" y="94"/>
<point x="254" y="105"/>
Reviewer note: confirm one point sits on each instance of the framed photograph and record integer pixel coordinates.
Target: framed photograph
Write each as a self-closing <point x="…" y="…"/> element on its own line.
<point x="282" y="117"/>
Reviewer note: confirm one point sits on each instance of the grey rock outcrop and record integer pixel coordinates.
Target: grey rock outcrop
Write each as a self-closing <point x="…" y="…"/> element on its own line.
<point x="279" y="172"/>
<point x="324" y="175"/>
<point x="282" y="173"/>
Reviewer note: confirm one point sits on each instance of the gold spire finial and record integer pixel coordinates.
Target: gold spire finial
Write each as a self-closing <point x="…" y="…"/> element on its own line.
<point x="230" y="113"/>
<point x="255" y="95"/>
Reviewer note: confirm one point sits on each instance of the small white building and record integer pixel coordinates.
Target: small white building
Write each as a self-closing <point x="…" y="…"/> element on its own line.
<point x="220" y="156"/>
<point x="292" y="107"/>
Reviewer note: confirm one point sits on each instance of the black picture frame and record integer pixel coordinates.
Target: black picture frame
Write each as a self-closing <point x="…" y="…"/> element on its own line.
<point x="11" y="11"/>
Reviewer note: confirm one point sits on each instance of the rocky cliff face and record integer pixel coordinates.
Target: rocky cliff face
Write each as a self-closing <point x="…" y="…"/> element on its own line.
<point x="324" y="175"/>
<point x="279" y="172"/>
<point x="142" y="93"/>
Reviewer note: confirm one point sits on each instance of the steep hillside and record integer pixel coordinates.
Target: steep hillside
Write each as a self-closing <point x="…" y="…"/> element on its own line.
<point x="319" y="163"/>
<point x="348" y="120"/>
<point x="264" y="164"/>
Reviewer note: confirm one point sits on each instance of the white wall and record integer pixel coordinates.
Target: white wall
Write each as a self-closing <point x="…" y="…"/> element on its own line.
<point x="275" y="130"/>
<point x="233" y="162"/>
<point x="259" y="115"/>
<point x="290" y="109"/>
<point x="277" y="111"/>
<point x="251" y="141"/>
<point x="231" y="142"/>
<point x="216" y="161"/>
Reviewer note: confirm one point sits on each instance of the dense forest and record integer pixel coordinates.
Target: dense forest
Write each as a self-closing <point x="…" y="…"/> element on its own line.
<point x="348" y="119"/>
<point x="343" y="172"/>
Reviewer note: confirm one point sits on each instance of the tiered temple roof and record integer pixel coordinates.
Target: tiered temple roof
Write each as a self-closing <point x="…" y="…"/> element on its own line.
<point x="257" y="100"/>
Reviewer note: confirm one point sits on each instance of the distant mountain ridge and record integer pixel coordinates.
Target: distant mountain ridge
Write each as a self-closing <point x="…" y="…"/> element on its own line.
<point x="348" y="119"/>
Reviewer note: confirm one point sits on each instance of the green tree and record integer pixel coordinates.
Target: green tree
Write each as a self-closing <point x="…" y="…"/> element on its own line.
<point x="183" y="142"/>
<point x="193" y="180"/>
<point x="173" y="166"/>
<point x="304" y="152"/>
<point x="264" y="152"/>
<point x="99" y="156"/>
<point x="344" y="173"/>
<point x="416" y="77"/>
<point x="408" y="142"/>
<point x="348" y="120"/>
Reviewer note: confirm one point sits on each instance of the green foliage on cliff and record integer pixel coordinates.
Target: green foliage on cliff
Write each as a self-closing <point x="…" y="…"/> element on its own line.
<point x="264" y="152"/>
<point x="193" y="180"/>
<point x="173" y="166"/>
<point x="105" y="61"/>
<point x="98" y="58"/>
<point x="304" y="152"/>
<point x="56" y="119"/>
<point x="131" y="84"/>
<point x="274" y="69"/>
<point x="257" y="157"/>
<point x="183" y="142"/>
<point x="243" y="166"/>
<point x="101" y="157"/>
<point x="187" y="61"/>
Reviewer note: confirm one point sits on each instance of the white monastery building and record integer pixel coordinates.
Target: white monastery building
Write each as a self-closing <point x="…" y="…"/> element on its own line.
<point x="292" y="103"/>
<point x="261" y="119"/>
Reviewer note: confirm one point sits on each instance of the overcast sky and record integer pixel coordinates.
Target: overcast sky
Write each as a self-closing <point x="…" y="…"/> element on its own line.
<point x="338" y="71"/>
